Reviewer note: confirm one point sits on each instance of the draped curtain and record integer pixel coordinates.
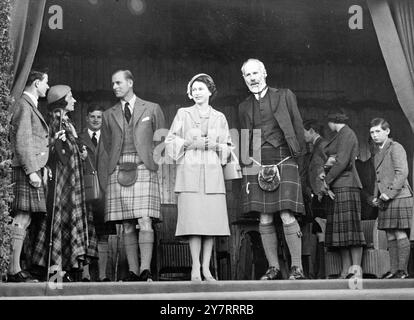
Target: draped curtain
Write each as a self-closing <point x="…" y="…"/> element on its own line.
<point x="25" y="26"/>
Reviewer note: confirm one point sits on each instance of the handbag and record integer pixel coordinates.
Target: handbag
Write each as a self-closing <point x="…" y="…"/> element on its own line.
<point x="232" y="169"/>
<point x="127" y="174"/>
<point x="269" y="176"/>
<point x="91" y="183"/>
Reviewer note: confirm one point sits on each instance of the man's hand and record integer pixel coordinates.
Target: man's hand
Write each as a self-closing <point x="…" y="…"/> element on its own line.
<point x="384" y="197"/>
<point x="60" y="135"/>
<point x="35" y="180"/>
<point x="322" y="176"/>
<point x="84" y="153"/>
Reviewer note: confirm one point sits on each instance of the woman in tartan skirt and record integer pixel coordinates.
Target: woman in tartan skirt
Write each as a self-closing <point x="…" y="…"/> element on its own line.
<point x="341" y="182"/>
<point x="393" y="196"/>
<point x="73" y="234"/>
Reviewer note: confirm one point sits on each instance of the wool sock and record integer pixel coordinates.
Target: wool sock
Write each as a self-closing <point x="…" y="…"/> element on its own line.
<point x="269" y="240"/>
<point x="294" y="243"/>
<point x="146" y="243"/>
<point x="131" y="250"/>
<point x="17" y="234"/>
<point x="85" y="272"/>
<point x="103" y="249"/>
<point x="403" y="253"/>
<point x="393" y="251"/>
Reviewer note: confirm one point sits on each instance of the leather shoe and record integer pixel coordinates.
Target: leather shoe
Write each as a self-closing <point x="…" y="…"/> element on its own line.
<point x="400" y="274"/>
<point x="145" y="276"/>
<point x="131" y="277"/>
<point x="296" y="273"/>
<point x="21" y="276"/>
<point x="272" y="274"/>
<point x="388" y="275"/>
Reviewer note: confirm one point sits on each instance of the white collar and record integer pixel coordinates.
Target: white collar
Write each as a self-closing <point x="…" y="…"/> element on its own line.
<point x="262" y="94"/>
<point x="32" y="97"/>
<point x="131" y="103"/>
<point x="97" y="133"/>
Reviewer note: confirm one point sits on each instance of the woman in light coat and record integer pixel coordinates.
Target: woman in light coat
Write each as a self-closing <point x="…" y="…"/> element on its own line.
<point x="393" y="196"/>
<point x="199" y="141"/>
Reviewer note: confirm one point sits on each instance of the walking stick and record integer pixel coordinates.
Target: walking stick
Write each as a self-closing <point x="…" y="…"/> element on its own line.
<point x="53" y="209"/>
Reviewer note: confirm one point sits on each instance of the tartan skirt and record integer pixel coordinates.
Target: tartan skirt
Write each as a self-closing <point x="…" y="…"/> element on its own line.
<point x="396" y="215"/>
<point x="142" y="199"/>
<point x="26" y="197"/>
<point x="288" y="196"/>
<point x="343" y="227"/>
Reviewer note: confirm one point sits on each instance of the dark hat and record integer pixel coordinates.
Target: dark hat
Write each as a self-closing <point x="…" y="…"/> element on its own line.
<point x="57" y="92"/>
<point x="337" y="117"/>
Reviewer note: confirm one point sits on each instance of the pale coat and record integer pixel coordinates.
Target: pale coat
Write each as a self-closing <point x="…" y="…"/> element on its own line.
<point x="147" y="119"/>
<point x="29" y="136"/>
<point x="391" y="170"/>
<point x="186" y="126"/>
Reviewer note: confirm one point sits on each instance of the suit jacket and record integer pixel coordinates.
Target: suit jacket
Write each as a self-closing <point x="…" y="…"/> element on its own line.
<point x="391" y="169"/>
<point x="29" y="136"/>
<point x="286" y="113"/>
<point x="95" y="155"/>
<point x="147" y="119"/>
<point x="345" y="146"/>
<point x="316" y="162"/>
<point x="185" y="126"/>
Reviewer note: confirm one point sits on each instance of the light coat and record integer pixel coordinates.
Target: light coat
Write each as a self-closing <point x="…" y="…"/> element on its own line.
<point x="391" y="170"/>
<point x="187" y="126"/>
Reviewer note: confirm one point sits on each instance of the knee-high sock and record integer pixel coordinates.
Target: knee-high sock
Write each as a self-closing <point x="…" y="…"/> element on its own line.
<point x="269" y="240"/>
<point x="403" y="253"/>
<point x="146" y="243"/>
<point x="294" y="242"/>
<point x="17" y="234"/>
<point x="394" y="259"/>
<point x="131" y="250"/>
<point x="103" y="250"/>
<point x="85" y="272"/>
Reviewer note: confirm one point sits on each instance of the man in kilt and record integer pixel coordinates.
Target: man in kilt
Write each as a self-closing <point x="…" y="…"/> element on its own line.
<point x="393" y="196"/>
<point x="29" y="141"/>
<point x="130" y="174"/>
<point x="272" y="117"/>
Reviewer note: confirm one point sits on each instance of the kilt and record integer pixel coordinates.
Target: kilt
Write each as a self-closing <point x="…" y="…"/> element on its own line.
<point x="343" y="227"/>
<point x="26" y="197"/>
<point x="97" y="207"/>
<point x="396" y="215"/>
<point x="288" y="196"/>
<point x="142" y="199"/>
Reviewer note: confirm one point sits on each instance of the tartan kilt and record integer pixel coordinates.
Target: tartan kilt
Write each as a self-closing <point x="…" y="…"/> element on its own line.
<point x="396" y="215"/>
<point x="288" y="196"/>
<point x="97" y="207"/>
<point x="343" y="227"/>
<point x="26" y="197"/>
<point x="142" y="199"/>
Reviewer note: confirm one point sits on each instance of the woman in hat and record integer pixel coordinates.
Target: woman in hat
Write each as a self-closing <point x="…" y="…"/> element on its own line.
<point x="393" y="197"/>
<point x="199" y="141"/>
<point x="73" y="240"/>
<point x="343" y="228"/>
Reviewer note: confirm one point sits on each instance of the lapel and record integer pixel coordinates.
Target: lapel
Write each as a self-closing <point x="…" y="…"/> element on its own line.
<point x="274" y="101"/>
<point x="118" y="115"/>
<point x="194" y="115"/>
<point x="249" y="113"/>
<point x="381" y="155"/>
<point x="315" y="148"/>
<point x="332" y="139"/>
<point x="35" y="110"/>
<point x="87" y="140"/>
<point x="139" y="108"/>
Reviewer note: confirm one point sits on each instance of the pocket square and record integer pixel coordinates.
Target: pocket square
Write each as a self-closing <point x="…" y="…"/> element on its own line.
<point x="145" y="119"/>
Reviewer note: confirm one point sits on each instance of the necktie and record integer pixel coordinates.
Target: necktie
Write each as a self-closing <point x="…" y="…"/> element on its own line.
<point x="127" y="112"/>
<point x="94" y="140"/>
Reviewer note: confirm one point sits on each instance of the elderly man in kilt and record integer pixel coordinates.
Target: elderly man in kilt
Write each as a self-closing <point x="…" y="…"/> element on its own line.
<point x="131" y="174"/>
<point x="273" y="113"/>
<point x="29" y="141"/>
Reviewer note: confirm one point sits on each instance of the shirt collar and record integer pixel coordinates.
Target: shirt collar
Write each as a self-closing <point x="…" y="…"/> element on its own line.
<point x="98" y="133"/>
<point x="262" y="94"/>
<point x="32" y="97"/>
<point x="131" y="103"/>
<point x="316" y="138"/>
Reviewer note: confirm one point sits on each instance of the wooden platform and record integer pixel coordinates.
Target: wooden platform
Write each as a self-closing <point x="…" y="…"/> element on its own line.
<point x="223" y="290"/>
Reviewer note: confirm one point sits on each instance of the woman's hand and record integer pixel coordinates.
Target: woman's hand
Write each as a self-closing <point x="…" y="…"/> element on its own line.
<point x="35" y="180"/>
<point x="60" y="135"/>
<point x="210" y="144"/>
<point x="384" y="197"/>
<point x="83" y="153"/>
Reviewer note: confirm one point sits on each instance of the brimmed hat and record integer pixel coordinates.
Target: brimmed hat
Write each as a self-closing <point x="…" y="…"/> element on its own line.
<point x="56" y="93"/>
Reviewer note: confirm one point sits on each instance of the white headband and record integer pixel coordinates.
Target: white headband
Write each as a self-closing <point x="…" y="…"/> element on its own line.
<point x="191" y="83"/>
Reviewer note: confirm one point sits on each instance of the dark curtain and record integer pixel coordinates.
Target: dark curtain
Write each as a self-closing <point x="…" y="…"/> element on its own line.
<point x="26" y="23"/>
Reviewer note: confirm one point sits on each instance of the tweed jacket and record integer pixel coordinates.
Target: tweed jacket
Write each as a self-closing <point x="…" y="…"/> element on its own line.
<point x="186" y="126"/>
<point x="286" y="113"/>
<point x="391" y="170"/>
<point x="316" y="162"/>
<point x="344" y="145"/>
<point x="95" y="154"/>
<point x="29" y="136"/>
<point x="147" y="119"/>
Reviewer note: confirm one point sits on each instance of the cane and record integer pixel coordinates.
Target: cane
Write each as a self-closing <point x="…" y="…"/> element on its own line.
<point x="53" y="209"/>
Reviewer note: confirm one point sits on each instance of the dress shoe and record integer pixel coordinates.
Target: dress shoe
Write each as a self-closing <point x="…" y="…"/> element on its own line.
<point x="272" y="274"/>
<point x="145" y="276"/>
<point x="296" y="273"/>
<point x="388" y="275"/>
<point x="131" y="277"/>
<point x="105" y="280"/>
<point x="400" y="274"/>
<point x="67" y="277"/>
<point x="21" y="276"/>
